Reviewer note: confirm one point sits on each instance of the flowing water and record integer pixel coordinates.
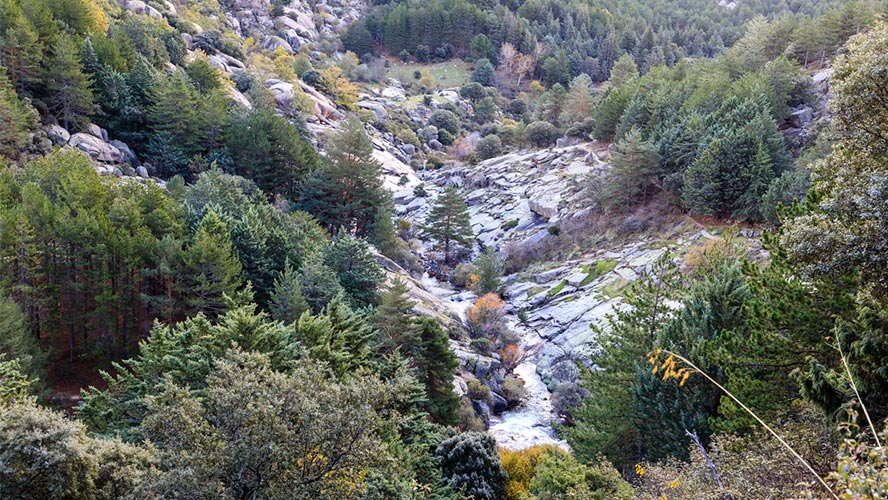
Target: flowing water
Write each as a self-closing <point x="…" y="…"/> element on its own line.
<point x="528" y="424"/>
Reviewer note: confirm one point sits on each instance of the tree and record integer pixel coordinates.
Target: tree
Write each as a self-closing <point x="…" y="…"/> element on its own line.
<point x="359" y="274"/>
<point x="47" y="455"/>
<point x="267" y="149"/>
<point x="70" y="96"/>
<point x="301" y="434"/>
<point x="634" y="171"/>
<point x="541" y="133"/>
<point x="624" y="71"/>
<point x="287" y="301"/>
<point x="17" y="343"/>
<point x="346" y="192"/>
<point x="446" y="120"/>
<point x="579" y="103"/>
<point x="175" y="109"/>
<point x="203" y="75"/>
<point x="392" y="317"/>
<point x="17" y="120"/>
<point x="20" y="54"/>
<point x="436" y="366"/>
<point x="490" y="268"/>
<point x="470" y="464"/>
<point x="483" y="73"/>
<point x="489" y="147"/>
<point x="602" y="423"/>
<point x="211" y="268"/>
<point x="448" y="222"/>
<point x="485" y="110"/>
<point x="482" y="48"/>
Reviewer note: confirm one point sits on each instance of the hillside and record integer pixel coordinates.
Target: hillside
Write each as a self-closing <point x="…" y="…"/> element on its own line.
<point x="442" y="249"/>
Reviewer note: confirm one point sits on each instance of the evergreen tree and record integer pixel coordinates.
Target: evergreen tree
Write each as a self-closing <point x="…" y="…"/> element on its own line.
<point x="211" y="268"/>
<point x="482" y="48"/>
<point x="20" y="54"/>
<point x="436" y="366"/>
<point x="448" y="222"/>
<point x="579" y="103"/>
<point x="175" y="110"/>
<point x="634" y="172"/>
<point x="392" y="318"/>
<point x="602" y="422"/>
<point x="70" y="96"/>
<point x="17" y="120"/>
<point x="483" y="72"/>
<point x="359" y="274"/>
<point x="346" y="191"/>
<point x="470" y="463"/>
<point x="490" y="268"/>
<point x="339" y="337"/>
<point x="320" y="285"/>
<point x="267" y="149"/>
<point x="287" y="302"/>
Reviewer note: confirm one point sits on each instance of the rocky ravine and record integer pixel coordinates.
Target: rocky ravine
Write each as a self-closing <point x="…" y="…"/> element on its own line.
<point x="513" y="200"/>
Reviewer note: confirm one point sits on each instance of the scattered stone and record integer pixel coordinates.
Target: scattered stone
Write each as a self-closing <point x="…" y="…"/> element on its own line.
<point x="544" y="207"/>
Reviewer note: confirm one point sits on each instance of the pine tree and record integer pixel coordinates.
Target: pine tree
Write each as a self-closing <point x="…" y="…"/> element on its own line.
<point x="346" y="192"/>
<point x="392" y="318"/>
<point x="174" y="110"/>
<point x="267" y="149"/>
<point x="448" y="222"/>
<point x="17" y="120"/>
<point x="483" y="72"/>
<point x="320" y="285"/>
<point x="357" y="270"/>
<point x="602" y="422"/>
<point x="287" y="302"/>
<point x="634" y="167"/>
<point x="490" y="268"/>
<point x="436" y="366"/>
<point x="70" y="96"/>
<point x="20" y="53"/>
<point x="211" y="268"/>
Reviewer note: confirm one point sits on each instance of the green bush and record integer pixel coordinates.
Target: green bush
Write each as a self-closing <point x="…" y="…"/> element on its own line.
<point x="489" y="147"/>
<point x="541" y="133"/>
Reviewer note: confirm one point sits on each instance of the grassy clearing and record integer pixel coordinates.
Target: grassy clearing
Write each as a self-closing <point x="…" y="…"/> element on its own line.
<point x="453" y="73"/>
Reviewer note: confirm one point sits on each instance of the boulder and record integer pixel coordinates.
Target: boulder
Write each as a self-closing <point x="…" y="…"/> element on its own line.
<point x="96" y="148"/>
<point x="142" y="172"/>
<point x="272" y="43"/>
<point x="801" y="117"/>
<point x="544" y="207"/>
<point x="128" y="155"/>
<point x="434" y="144"/>
<point x="499" y="404"/>
<point x="57" y="134"/>
<point x="378" y="109"/>
<point x="140" y="7"/>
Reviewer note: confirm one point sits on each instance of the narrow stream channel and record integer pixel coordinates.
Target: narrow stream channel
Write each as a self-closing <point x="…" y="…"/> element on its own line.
<point x="530" y="423"/>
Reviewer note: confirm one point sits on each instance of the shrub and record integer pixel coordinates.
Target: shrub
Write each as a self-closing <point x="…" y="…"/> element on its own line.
<point x="473" y="91"/>
<point x="513" y="388"/>
<point x="489" y="147"/>
<point x="516" y="108"/>
<point x="470" y="463"/>
<point x="465" y="275"/>
<point x="445" y="120"/>
<point x="404" y="56"/>
<point x="541" y="133"/>
<point x="445" y="137"/>
<point x="485" y="317"/>
<point x="468" y="419"/>
<point x="479" y="392"/>
<point x="520" y="466"/>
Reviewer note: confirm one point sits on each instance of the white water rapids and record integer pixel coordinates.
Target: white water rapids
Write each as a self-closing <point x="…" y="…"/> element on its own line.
<point x="528" y="424"/>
